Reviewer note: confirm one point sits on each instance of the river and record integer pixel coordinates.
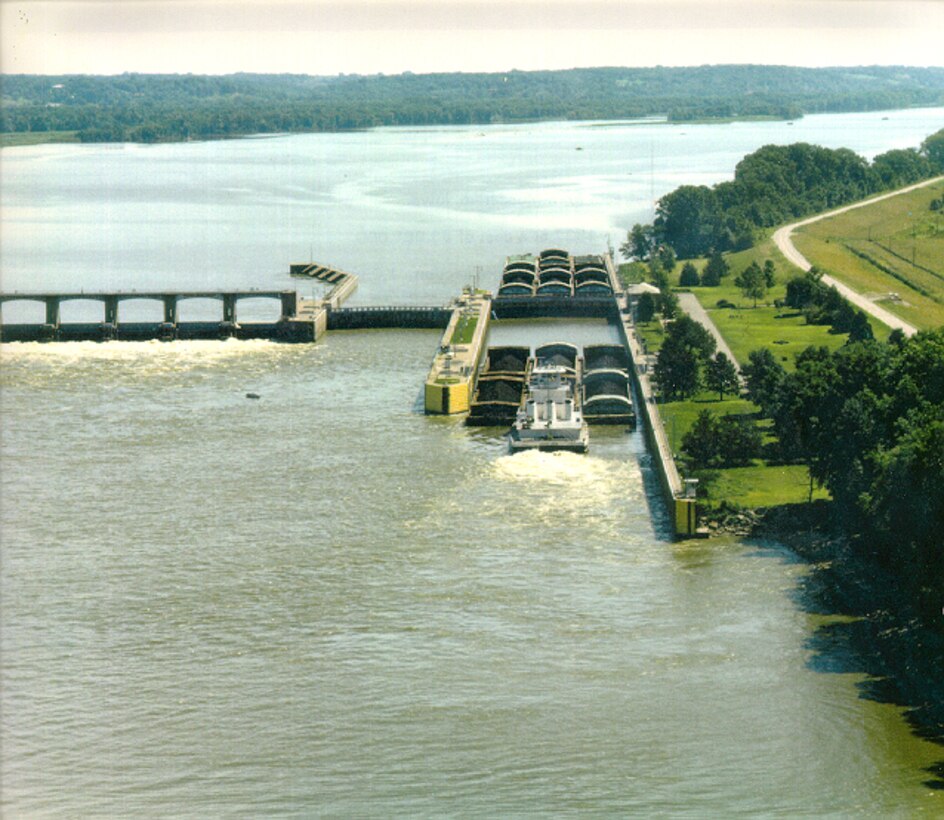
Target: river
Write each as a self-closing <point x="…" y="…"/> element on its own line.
<point x="324" y="602"/>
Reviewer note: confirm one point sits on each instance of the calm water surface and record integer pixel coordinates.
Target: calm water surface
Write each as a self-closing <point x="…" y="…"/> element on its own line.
<point x="323" y="602"/>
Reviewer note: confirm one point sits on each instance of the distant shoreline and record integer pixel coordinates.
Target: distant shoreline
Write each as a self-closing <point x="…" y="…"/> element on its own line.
<point x="19" y="139"/>
<point x="150" y="108"/>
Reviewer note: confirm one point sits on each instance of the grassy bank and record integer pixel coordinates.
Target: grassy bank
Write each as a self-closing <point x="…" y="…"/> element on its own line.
<point x="11" y="139"/>
<point x="763" y="483"/>
<point x="746" y="327"/>
<point x="895" y="246"/>
<point x="889" y="233"/>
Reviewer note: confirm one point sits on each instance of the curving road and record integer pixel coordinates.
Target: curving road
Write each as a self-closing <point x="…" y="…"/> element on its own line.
<point x="784" y="242"/>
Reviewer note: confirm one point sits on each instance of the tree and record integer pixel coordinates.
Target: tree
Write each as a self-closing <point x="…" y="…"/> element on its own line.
<point x="933" y="149"/>
<point x="681" y="360"/>
<point x="751" y="282"/>
<point x="728" y="441"/>
<point x="668" y="304"/>
<point x="860" y="329"/>
<point x="658" y="275"/>
<point x="667" y="258"/>
<point x="700" y="443"/>
<point x="677" y="370"/>
<point x="688" y="278"/>
<point x="721" y="375"/>
<point x="693" y="335"/>
<point x="639" y="243"/>
<point x="645" y="308"/>
<point x="805" y="290"/>
<point x="716" y="269"/>
<point x="689" y="219"/>
<point x="739" y="441"/>
<point x="901" y="166"/>
<point x="764" y="376"/>
<point x="770" y="273"/>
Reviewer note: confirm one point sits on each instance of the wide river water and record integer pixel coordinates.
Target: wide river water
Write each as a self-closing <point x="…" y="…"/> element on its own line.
<point x="324" y="602"/>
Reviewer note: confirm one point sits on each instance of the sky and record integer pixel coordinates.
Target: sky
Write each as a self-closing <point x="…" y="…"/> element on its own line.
<point x="330" y="37"/>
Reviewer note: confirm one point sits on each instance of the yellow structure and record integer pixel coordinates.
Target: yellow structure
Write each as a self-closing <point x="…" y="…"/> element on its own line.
<point x="685" y="517"/>
<point x="450" y="380"/>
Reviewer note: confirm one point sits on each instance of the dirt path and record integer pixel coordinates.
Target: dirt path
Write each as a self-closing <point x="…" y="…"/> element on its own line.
<point x="784" y="242"/>
<point x="693" y="308"/>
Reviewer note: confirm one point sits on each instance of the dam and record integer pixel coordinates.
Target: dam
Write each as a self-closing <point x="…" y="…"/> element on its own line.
<point x="300" y="319"/>
<point x="467" y="376"/>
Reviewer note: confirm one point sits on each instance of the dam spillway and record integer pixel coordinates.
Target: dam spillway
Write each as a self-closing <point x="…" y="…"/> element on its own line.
<point x="300" y="319"/>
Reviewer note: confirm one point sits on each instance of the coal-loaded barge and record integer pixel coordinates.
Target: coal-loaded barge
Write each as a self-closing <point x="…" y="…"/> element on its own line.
<point x="600" y="379"/>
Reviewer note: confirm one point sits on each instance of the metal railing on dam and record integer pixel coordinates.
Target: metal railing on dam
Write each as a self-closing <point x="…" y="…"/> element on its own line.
<point x="406" y="316"/>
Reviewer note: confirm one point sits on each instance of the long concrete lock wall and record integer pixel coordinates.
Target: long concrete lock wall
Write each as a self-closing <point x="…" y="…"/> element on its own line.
<point x="682" y="508"/>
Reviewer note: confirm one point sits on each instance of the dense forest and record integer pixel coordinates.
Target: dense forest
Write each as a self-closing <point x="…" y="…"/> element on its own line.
<point x="868" y="420"/>
<point x="148" y="108"/>
<point x="774" y="185"/>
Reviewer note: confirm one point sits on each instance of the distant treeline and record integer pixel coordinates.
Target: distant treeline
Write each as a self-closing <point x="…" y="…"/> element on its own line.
<point x="774" y="185"/>
<point x="150" y="107"/>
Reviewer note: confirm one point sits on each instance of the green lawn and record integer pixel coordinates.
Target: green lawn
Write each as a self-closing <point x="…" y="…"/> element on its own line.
<point x="785" y="332"/>
<point x="465" y="330"/>
<point x="759" y="486"/>
<point x="746" y="328"/>
<point x="679" y="416"/>
<point x="652" y="334"/>
<point x="887" y="233"/>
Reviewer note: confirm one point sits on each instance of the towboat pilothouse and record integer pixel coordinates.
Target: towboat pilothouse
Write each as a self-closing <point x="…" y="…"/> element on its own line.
<point x="550" y="418"/>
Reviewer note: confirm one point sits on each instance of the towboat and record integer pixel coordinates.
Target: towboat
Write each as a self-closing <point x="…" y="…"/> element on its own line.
<point x="550" y="418"/>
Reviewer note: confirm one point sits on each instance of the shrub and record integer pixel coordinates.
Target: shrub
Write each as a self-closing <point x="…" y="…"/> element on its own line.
<point x="689" y="276"/>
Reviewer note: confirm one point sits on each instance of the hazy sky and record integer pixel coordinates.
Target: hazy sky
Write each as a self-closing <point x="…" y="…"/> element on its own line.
<point x="390" y="36"/>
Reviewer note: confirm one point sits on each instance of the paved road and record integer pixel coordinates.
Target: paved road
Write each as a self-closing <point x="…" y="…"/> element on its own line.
<point x="782" y="238"/>
<point x="693" y="308"/>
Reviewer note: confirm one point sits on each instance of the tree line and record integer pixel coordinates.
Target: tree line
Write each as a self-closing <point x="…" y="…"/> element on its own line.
<point x="771" y="186"/>
<point x="146" y="108"/>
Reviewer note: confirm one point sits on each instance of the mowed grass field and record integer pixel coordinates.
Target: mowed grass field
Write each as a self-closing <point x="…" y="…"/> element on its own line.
<point x="892" y="247"/>
<point x="746" y="327"/>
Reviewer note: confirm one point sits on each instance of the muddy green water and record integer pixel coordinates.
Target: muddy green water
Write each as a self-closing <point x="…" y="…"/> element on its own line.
<point x="325" y="603"/>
